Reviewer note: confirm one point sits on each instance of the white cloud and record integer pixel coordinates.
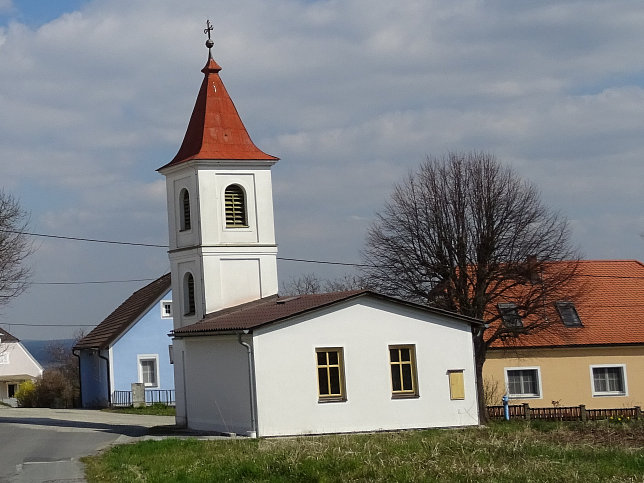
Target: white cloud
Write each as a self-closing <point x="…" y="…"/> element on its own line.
<point x="350" y="94"/>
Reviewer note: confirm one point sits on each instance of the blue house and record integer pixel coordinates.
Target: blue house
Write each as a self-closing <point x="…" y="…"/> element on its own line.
<point x="130" y="345"/>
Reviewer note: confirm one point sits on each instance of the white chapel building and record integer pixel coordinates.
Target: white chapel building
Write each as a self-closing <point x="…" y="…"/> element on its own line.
<point x="250" y="362"/>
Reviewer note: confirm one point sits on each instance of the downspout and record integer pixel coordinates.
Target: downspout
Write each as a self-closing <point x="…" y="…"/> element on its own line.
<point x="251" y="382"/>
<point x="109" y="388"/>
<point x="80" y="379"/>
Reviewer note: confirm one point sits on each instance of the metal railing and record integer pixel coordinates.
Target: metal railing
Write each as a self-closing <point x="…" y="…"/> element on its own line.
<point x="152" y="396"/>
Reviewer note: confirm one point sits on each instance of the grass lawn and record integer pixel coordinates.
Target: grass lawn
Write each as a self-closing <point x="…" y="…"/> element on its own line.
<point x="517" y="451"/>
<point x="156" y="409"/>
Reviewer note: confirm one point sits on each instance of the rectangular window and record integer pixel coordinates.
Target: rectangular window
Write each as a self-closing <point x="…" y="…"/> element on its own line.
<point x="523" y="382"/>
<point x="510" y="316"/>
<point x="330" y="366"/>
<point x="568" y="313"/>
<point x="149" y="369"/>
<point x="4" y="358"/>
<point x="609" y="380"/>
<point x="456" y="385"/>
<point x="166" y="309"/>
<point x="402" y="362"/>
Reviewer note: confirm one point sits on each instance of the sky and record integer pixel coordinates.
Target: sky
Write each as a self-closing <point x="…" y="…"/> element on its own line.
<point x="351" y="95"/>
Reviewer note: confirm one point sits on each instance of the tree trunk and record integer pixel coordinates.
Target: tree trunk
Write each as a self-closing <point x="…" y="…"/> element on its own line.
<point x="480" y="352"/>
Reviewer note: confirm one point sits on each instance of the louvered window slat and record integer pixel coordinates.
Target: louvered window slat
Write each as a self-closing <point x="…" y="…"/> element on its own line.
<point x="235" y="207"/>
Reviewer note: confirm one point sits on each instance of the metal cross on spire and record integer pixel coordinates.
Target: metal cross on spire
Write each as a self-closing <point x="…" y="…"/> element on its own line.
<point x="209" y="42"/>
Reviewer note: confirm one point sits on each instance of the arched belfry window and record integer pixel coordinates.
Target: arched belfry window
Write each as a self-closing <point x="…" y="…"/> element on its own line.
<point x="188" y="294"/>
<point x="185" y="210"/>
<point x="235" y="200"/>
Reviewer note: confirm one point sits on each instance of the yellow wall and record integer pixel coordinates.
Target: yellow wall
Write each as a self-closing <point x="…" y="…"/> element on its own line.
<point x="566" y="375"/>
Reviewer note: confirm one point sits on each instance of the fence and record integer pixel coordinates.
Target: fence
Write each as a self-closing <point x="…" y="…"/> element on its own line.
<point x="569" y="413"/>
<point x="152" y="396"/>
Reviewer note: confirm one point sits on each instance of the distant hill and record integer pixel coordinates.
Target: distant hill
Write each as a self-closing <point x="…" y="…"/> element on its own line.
<point x="38" y="349"/>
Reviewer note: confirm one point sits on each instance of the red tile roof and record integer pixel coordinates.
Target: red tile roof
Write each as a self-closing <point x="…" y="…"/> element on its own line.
<point x="124" y="315"/>
<point x="273" y="309"/>
<point x="611" y="310"/>
<point x="215" y="130"/>
<point x="7" y="337"/>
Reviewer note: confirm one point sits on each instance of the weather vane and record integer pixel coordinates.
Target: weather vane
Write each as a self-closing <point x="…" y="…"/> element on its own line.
<point x="207" y="30"/>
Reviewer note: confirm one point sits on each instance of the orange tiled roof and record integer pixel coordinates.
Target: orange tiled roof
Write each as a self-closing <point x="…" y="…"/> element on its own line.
<point x="215" y="130"/>
<point x="611" y="310"/>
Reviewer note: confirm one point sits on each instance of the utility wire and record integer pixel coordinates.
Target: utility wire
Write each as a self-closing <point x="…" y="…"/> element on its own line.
<point x="301" y="260"/>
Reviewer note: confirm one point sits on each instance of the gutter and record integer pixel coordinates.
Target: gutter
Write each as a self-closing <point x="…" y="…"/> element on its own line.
<point x="109" y="388"/>
<point x="251" y="382"/>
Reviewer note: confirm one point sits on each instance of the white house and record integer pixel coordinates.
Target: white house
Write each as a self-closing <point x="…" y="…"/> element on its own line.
<point x="16" y="366"/>
<point x="250" y="362"/>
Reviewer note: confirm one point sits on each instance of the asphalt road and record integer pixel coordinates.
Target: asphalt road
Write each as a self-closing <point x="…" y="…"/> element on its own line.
<point x="45" y="444"/>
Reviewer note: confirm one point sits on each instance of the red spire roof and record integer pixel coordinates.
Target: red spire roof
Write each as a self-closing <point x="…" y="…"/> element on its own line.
<point x="215" y="130"/>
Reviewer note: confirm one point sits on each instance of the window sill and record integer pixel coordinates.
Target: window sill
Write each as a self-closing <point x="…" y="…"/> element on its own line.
<point x="609" y="394"/>
<point x="524" y="396"/>
<point x="332" y="399"/>
<point x="405" y="396"/>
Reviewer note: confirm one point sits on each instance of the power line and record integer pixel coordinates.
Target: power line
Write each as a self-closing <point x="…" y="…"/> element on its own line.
<point x="153" y="245"/>
<point x="49" y="325"/>
<point x="87" y="282"/>
<point x="93" y="240"/>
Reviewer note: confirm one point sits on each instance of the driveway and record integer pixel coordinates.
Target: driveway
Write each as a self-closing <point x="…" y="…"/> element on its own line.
<point x="45" y="444"/>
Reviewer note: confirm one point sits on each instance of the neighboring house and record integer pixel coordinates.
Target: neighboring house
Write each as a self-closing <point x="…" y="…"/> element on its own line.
<point x="130" y="345"/>
<point x="16" y="366"/>
<point x="592" y="354"/>
<point x="249" y="362"/>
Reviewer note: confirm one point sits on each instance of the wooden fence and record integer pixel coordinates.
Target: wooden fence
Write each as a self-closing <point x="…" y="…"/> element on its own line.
<point x="152" y="396"/>
<point x="569" y="413"/>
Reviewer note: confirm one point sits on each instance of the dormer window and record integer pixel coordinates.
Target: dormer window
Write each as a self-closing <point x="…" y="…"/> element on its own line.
<point x="185" y="210"/>
<point x="189" y="294"/>
<point x="510" y="316"/>
<point x="235" y="201"/>
<point x="568" y="314"/>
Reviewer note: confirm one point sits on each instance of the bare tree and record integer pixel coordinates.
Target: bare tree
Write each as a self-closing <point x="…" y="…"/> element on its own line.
<point x="465" y="233"/>
<point x="15" y="247"/>
<point x="310" y="283"/>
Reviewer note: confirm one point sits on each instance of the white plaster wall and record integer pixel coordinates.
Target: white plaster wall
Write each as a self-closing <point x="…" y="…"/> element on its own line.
<point x="21" y="363"/>
<point x="236" y="275"/>
<point x="217" y="384"/>
<point x="287" y="394"/>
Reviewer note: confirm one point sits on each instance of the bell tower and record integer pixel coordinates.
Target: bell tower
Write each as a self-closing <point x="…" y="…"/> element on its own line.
<point x="220" y="208"/>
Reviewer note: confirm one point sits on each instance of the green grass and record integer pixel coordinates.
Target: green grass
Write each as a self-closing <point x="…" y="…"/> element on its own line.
<point x="502" y="452"/>
<point x="156" y="409"/>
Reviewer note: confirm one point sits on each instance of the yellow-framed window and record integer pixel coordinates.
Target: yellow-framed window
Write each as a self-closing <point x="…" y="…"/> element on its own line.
<point x="456" y="384"/>
<point x="402" y="362"/>
<point x="330" y="367"/>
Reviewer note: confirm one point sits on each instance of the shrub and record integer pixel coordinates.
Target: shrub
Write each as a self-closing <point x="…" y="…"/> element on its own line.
<point x="26" y="394"/>
<point x="53" y="390"/>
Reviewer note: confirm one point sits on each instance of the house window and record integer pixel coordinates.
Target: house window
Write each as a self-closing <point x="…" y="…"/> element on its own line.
<point x="330" y="366"/>
<point x="456" y="385"/>
<point x="510" y="316"/>
<point x="402" y="362"/>
<point x="188" y="294"/>
<point x="185" y="210"/>
<point x="235" y="207"/>
<point x="149" y="369"/>
<point x="523" y="382"/>
<point x="166" y="309"/>
<point x="4" y="358"/>
<point x="609" y="380"/>
<point x="568" y="314"/>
